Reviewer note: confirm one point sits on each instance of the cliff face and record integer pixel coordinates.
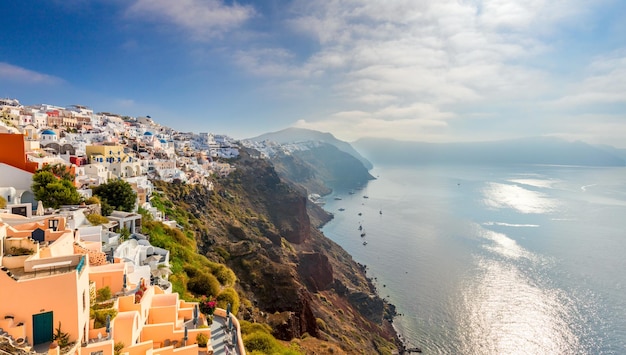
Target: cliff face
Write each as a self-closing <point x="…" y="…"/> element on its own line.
<point x="321" y="167"/>
<point x="296" y="279"/>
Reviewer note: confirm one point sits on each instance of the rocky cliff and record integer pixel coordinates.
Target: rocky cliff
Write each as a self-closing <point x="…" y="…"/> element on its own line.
<point x="291" y="275"/>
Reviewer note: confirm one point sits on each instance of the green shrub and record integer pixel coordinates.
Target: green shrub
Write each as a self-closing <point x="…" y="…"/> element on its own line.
<point x="202" y="339"/>
<point x="203" y="283"/>
<point x="249" y="328"/>
<point x="223" y="253"/>
<point x="118" y="348"/>
<point x="103" y="294"/>
<point x="229" y="295"/>
<point x="100" y="316"/>
<point x="93" y="200"/>
<point x="225" y="275"/>
<point x="97" y="219"/>
<point x="260" y="341"/>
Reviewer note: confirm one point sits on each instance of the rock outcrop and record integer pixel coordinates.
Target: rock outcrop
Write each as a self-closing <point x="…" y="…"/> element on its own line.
<point x="316" y="271"/>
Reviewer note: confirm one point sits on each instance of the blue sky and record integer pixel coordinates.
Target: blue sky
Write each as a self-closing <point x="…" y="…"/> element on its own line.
<point x="438" y="71"/>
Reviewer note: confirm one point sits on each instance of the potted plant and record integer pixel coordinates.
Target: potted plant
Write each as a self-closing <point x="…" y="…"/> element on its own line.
<point x="207" y="306"/>
<point x="202" y="341"/>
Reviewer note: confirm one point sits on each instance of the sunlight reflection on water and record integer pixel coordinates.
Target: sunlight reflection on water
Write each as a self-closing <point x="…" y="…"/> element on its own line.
<point x="505" y="313"/>
<point x="498" y="196"/>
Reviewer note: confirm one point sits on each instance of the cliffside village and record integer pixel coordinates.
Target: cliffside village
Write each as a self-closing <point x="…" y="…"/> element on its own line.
<point x="55" y="267"/>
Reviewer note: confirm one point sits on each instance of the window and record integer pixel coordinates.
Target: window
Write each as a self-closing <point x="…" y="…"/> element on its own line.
<point x="84" y="300"/>
<point x="53" y="224"/>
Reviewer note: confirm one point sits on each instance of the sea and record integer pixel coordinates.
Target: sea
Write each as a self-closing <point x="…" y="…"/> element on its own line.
<point x="494" y="259"/>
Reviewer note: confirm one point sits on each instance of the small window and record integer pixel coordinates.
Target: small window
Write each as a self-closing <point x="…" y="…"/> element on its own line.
<point x="53" y="224"/>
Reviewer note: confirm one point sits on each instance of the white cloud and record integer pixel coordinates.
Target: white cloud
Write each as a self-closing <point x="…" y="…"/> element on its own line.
<point x="17" y="74"/>
<point x="416" y="121"/>
<point x="204" y="20"/>
<point x="406" y="68"/>
<point x="605" y="83"/>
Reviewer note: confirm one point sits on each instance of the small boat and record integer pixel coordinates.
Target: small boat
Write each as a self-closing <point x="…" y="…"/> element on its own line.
<point x="351" y="192"/>
<point x="380" y="212"/>
<point x="360" y="214"/>
<point x="362" y="234"/>
<point x="365" y="196"/>
<point x="342" y="209"/>
<point x="337" y="198"/>
<point x="364" y="243"/>
<point x="360" y="227"/>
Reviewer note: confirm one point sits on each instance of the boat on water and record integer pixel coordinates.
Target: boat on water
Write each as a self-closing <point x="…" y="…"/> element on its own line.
<point x="337" y="198"/>
<point x="360" y="214"/>
<point x="380" y="212"/>
<point x="362" y="234"/>
<point x="365" y="196"/>
<point x="364" y="243"/>
<point x="342" y="209"/>
<point x="360" y="227"/>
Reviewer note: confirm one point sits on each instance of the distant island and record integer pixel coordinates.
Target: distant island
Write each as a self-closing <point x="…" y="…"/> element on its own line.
<point x="534" y="150"/>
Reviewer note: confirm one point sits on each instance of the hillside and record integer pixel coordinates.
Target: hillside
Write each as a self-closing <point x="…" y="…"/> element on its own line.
<point x="537" y="150"/>
<point x="289" y="276"/>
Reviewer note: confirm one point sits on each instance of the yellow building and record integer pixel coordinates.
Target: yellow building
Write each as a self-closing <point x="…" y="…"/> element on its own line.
<point x="110" y="153"/>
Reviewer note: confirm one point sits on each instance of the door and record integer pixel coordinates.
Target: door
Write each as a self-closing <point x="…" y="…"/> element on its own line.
<point x="42" y="328"/>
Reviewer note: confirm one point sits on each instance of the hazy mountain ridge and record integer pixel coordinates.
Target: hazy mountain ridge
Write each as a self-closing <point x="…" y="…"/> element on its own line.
<point x="535" y="150"/>
<point x="302" y="135"/>
<point x="321" y="168"/>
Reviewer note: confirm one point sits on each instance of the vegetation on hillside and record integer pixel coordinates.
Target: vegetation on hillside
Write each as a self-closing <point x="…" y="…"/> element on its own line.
<point x="256" y="226"/>
<point x="194" y="275"/>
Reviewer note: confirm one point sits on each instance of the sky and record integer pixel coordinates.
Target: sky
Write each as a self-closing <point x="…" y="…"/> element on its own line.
<point x="418" y="70"/>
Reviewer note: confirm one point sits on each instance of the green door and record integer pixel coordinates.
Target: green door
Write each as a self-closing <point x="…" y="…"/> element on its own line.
<point x="42" y="328"/>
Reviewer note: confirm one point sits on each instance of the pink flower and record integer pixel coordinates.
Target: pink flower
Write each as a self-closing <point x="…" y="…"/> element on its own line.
<point x="207" y="306"/>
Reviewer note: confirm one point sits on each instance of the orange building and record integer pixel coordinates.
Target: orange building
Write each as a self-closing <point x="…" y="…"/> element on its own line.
<point x="49" y="278"/>
<point x="44" y="283"/>
<point x="13" y="152"/>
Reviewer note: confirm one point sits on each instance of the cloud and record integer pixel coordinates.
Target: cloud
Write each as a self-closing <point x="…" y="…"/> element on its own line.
<point x="204" y="20"/>
<point x="421" y="69"/>
<point x="440" y="51"/>
<point x="267" y="62"/>
<point x="604" y="83"/>
<point x="17" y="74"/>
<point x="419" y="120"/>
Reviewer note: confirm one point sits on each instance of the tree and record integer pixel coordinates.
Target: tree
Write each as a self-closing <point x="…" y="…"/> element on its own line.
<point x="52" y="191"/>
<point x="59" y="170"/>
<point x="116" y="195"/>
